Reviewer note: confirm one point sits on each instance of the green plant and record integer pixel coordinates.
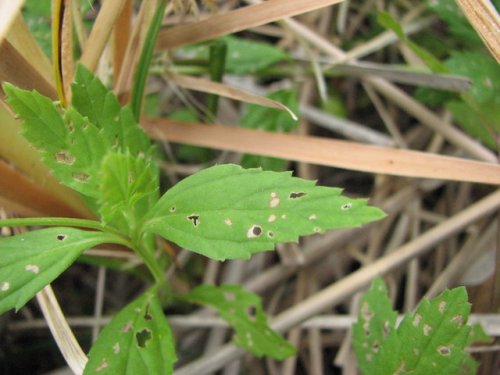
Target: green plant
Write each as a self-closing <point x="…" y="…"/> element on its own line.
<point x="224" y="212"/>
<point x="429" y="340"/>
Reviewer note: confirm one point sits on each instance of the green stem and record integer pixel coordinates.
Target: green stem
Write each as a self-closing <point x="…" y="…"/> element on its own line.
<point x="58" y="221"/>
<point x="66" y="222"/>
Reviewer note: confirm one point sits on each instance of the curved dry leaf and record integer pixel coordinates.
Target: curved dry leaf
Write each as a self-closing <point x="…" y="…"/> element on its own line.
<point x="210" y="87"/>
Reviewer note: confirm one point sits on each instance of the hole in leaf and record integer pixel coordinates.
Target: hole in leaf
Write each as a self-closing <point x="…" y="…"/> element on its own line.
<point x="366" y="328"/>
<point x="270" y="234"/>
<point x="65" y="157"/>
<point x="296" y="195"/>
<point x="195" y="219"/>
<point x="375" y="346"/>
<point x="251" y="313"/>
<point x="445" y="350"/>
<point x="142" y="337"/>
<point x="346" y="206"/>
<point x="5" y="286"/>
<point x="254" y="231"/>
<point x="147" y="315"/>
<point x="80" y="176"/>
<point x="172" y="209"/>
<point x="61" y="237"/>
<point x="70" y="126"/>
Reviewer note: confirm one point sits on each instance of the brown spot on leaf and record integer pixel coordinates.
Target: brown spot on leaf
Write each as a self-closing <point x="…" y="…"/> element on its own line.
<point x="445" y="350"/>
<point x="80" y="176"/>
<point x="65" y="157"/>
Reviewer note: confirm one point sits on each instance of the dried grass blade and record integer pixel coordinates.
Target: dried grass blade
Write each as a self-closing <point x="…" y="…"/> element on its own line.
<point x="100" y="33"/>
<point x="59" y="327"/>
<point x="335" y="153"/>
<point x="237" y="20"/>
<point x="210" y="87"/>
<point x="19" y="189"/>
<point x="16" y="69"/>
<point x="484" y="18"/>
<point x="9" y="10"/>
<point x="23" y="41"/>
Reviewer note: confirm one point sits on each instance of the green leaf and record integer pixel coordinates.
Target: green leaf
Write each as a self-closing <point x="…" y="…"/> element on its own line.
<point x="376" y="320"/>
<point x="243" y="311"/>
<point x="273" y="120"/>
<point x="129" y="188"/>
<point x="483" y="71"/>
<point x="243" y="56"/>
<point x="429" y="340"/>
<point x="389" y="22"/>
<point x="227" y="212"/>
<point x="31" y="260"/>
<point x="92" y="99"/>
<point x="458" y="25"/>
<point x="480" y="121"/>
<point x="71" y="146"/>
<point x="137" y="341"/>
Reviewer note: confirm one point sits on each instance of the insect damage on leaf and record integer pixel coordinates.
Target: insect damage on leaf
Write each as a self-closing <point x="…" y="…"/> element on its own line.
<point x="250" y="210"/>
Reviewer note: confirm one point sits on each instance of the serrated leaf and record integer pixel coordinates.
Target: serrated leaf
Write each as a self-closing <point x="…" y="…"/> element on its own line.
<point x="429" y="340"/>
<point x="92" y="99"/>
<point x="376" y="320"/>
<point x="128" y="189"/>
<point x="31" y="260"/>
<point x="227" y="212"/>
<point x="272" y="120"/>
<point x="243" y="311"/>
<point x="43" y="123"/>
<point x="138" y="340"/>
<point x="71" y="146"/>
